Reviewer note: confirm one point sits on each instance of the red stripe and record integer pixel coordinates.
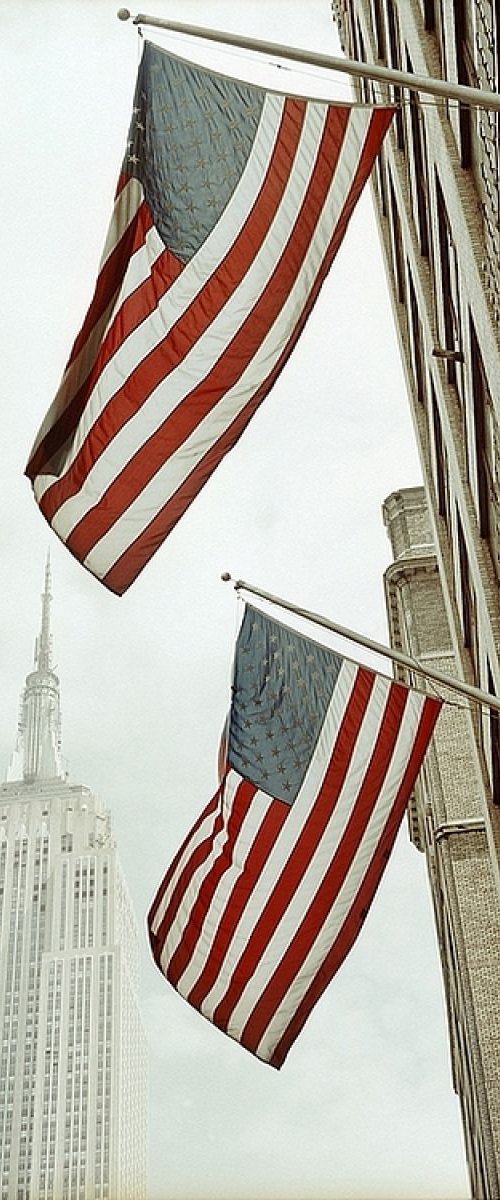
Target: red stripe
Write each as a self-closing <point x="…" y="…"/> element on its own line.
<point x="223" y="860"/>
<point x="161" y="361"/>
<point x="241" y="893"/>
<point x="201" y="852"/>
<point x="358" y="911"/>
<point x="329" y="888"/>
<point x="135" y="309"/>
<point x="123" y="179"/>
<point x="306" y="845"/>
<point x="107" y="288"/>
<point x="134" y="559"/>
<point x="156" y="941"/>
<point x="111" y="276"/>
<point x="138" y="307"/>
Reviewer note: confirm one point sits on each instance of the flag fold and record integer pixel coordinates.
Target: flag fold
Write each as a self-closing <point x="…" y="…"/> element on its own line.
<point x="231" y="204"/>
<point x="271" y="887"/>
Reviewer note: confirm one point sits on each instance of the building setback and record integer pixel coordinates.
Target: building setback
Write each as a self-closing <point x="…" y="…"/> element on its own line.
<point x="437" y="194"/>
<point x="73" y="1060"/>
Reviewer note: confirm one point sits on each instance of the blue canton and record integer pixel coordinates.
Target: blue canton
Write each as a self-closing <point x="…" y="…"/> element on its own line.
<point x="189" y="141"/>
<point x="283" y="684"/>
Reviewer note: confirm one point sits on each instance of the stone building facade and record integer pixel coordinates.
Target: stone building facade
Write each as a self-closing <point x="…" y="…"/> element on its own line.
<point x="447" y="822"/>
<point x="437" y="193"/>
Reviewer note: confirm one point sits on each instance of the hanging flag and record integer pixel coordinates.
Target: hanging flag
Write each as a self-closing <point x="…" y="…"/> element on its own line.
<point x="230" y="207"/>
<point x="271" y="887"/>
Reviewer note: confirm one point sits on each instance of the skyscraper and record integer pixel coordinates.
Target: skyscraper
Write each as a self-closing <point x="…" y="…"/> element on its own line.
<point x="437" y="194"/>
<point x="72" y="1061"/>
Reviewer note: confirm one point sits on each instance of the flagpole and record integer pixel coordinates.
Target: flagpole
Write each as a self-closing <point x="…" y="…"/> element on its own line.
<point x="417" y="83"/>
<point x="404" y="660"/>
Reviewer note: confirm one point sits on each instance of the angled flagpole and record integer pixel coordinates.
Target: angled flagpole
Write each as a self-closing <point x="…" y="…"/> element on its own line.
<point x="416" y="83"/>
<point x="449" y="681"/>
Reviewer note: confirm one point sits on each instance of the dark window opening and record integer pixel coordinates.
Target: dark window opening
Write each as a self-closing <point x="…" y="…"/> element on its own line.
<point x="381" y="185"/>
<point x="418" y="169"/>
<point x="378" y="23"/>
<point x="495" y="744"/>
<point x="429" y="15"/>
<point x="467" y="596"/>
<point x="449" y="288"/>
<point x="441" y="463"/>
<point x="395" y="61"/>
<point x="364" y="84"/>
<point x="466" y="71"/>
<point x="397" y="246"/>
<point x="417" y="349"/>
<point x="481" y="400"/>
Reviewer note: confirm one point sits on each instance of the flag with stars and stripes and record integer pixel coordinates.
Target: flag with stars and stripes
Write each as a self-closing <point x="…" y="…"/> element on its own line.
<point x="230" y="207"/>
<point x="270" y="889"/>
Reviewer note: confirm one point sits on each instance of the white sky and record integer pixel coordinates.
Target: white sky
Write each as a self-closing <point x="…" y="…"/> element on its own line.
<point x="363" y="1108"/>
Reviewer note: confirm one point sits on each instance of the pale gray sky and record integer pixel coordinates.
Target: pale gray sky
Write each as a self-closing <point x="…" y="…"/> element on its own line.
<point x="363" y="1108"/>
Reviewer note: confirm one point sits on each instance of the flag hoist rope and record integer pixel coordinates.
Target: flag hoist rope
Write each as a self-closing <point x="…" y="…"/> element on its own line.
<point x="416" y="83"/>
<point x="412" y="664"/>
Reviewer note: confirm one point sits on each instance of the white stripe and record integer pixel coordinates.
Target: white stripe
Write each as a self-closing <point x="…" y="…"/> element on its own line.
<point x="138" y="272"/>
<point x="179" y="466"/>
<point x="77" y="371"/>
<point x="142" y="262"/>
<point x="349" y="890"/>
<point x="126" y="206"/>
<point x="198" y="836"/>
<point x="191" y="891"/>
<point x="187" y="285"/>
<point x="250" y="827"/>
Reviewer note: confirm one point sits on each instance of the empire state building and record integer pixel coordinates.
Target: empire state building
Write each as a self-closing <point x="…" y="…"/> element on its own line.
<point x="72" y="1054"/>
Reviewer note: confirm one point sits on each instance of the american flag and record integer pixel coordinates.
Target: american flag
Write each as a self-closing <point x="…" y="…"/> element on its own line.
<point x="270" y="889"/>
<point x="231" y="204"/>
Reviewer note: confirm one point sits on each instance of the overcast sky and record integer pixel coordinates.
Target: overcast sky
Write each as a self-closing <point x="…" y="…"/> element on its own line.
<point x="363" y="1108"/>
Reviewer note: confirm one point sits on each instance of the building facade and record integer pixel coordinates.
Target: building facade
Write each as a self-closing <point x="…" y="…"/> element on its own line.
<point x="447" y="822"/>
<point x="437" y="194"/>
<point x="72" y="1061"/>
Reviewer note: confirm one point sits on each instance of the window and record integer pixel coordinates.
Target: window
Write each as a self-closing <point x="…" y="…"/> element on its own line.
<point x="396" y="242"/>
<point x="429" y="13"/>
<point x="466" y="72"/>
<point x="378" y="25"/>
<point x="360" y="52"/>
<point x="395" y="61"/>
<point x="440" y="461"/>
<point x="418" y="169"/>
<point x="482" y="439"/>
<point x="416" y="341"/>
<point x="468" y="605"/>
<point x="494" y="721"/>
<point x="450" y="292"/>
<point x="378" y="179"/>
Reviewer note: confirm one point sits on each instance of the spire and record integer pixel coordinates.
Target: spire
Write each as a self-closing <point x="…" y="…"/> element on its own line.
<point x="43" y="644"/>
<point x="38" y="748"/>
